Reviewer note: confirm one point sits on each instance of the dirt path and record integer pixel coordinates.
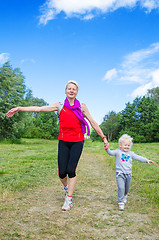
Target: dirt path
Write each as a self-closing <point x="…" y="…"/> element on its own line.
<point x="36" y="214"/>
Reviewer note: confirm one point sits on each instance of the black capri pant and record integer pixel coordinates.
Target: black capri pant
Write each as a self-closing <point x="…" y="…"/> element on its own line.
<point x="68" y="156"/>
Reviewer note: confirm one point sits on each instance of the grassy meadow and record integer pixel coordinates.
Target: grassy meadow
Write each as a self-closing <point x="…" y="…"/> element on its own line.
<point x="28" y="174"/>
<point x="33" y="163"/>
<point x="28" y="164"/>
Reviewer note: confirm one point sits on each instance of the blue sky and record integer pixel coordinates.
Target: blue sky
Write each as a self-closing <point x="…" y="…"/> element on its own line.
<point x="110" y="47"/>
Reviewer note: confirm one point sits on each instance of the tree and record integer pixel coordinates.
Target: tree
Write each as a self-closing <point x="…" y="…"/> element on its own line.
<point x="13" y="93"/>
<point x="154" y="93"/>
<point x="40" y="125"/>
<point x="12" y="90"/>
<point x="155" y="126"/>
<point x="110" y="127"/>
<point x="139" y="120"/>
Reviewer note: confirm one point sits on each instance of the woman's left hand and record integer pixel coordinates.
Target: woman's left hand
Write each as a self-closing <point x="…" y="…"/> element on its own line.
<point x="106" y="144"/>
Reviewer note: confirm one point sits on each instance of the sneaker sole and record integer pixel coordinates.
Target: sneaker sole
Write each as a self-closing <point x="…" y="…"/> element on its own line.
<point x="64" y="209"/>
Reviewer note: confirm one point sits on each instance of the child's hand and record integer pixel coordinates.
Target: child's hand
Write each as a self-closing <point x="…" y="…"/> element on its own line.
<point x="149" y="161"/>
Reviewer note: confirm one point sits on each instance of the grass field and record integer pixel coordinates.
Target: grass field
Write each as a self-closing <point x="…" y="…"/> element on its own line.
<point x="29" y="164"/>
<point x="31" y="194"/>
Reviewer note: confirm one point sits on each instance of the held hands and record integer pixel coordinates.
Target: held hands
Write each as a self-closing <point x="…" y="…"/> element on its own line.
<point x="149" y="161"/>
<point x="11" y="112"/>
<point x="106" y="144"/>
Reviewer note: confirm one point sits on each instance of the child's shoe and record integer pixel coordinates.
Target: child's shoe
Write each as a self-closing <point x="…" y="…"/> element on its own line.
<point x="125" y="199"/>
<point x="121" y="205"/>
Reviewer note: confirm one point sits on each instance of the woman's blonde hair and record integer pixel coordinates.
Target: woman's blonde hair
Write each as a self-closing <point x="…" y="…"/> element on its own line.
<point x="126" y="137"/>
<point x="73" y="82"/>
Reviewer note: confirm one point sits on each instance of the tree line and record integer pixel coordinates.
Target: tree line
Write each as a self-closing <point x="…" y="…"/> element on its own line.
<point x="13" y="93"/>
<point x="139" y="119"/>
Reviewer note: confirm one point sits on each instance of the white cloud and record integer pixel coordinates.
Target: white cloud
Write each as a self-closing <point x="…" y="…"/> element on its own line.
<point x="142" y="90"/>
<point x="155" y="77"/>
<point x="4" y="57"/>
<point x="28" y="60"/>
<point x="110" y="74"/>
<point x="138" y="56"/>
<point x="88" y="17"/>
<point x="84" y="8"/>
<point x="140" y="67"/>
<point x="150" y="4"/>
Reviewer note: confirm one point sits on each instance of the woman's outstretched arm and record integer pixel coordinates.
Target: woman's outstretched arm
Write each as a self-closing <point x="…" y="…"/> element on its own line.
<point x="49" y="108"/>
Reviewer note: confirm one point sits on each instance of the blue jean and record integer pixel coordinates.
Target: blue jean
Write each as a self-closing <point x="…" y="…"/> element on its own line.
<point x="123" y="182"/>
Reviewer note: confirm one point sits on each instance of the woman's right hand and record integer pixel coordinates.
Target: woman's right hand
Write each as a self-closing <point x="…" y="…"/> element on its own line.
<point x="11" y="112"/>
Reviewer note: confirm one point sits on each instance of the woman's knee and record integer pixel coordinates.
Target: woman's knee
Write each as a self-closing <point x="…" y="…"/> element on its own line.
<point x="62" y="175"/>
<point x="71" y="173"/>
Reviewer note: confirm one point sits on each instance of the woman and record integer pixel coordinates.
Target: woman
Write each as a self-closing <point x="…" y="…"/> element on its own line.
<point x="71" y="136"/>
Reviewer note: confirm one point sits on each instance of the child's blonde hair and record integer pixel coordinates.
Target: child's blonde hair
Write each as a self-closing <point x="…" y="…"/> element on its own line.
<point x="126" y="137"/>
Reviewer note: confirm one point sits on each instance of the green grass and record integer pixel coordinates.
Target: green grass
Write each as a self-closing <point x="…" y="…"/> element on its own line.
<point x="29" y="164"/>
<point x="33" y="162"/>
<point x="31" y="194"/>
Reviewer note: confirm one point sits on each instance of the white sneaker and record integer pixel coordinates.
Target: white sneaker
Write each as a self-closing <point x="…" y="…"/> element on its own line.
<point x="121" y="205"/>
<point x="125" y="199"/>
<point x="67" y="204"/>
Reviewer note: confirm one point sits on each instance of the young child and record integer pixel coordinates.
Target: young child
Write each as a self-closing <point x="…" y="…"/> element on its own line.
<point x="124" y="166"/>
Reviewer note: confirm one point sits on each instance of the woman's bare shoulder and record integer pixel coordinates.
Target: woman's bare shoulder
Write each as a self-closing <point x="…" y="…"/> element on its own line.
<point x="85" y="109"/>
